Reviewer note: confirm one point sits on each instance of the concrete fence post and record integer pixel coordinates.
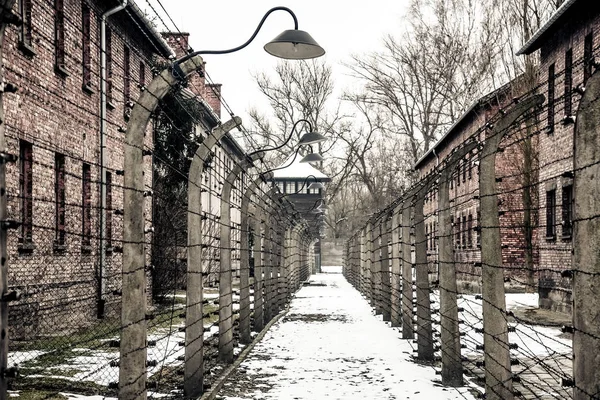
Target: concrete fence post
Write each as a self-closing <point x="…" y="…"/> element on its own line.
<point x="377" y="266"/>
<point x="386" y="296"/>
<point x="258" y="250"/>
<point x="132" y="364"/>
<point x="408" y="331"/>
<point x="396" y="283"/>
<point x="247" y="225"/>
<point x="498" y="377"/>
<point x="452" y="371"/>
<point x="370" y="269"/>
<point x="586" y="240"/>
<point x="424" y="325"/>
<point x="194" y="333"/>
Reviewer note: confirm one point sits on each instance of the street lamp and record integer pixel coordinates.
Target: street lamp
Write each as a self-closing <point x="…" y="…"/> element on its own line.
<point x="291" y="44"/>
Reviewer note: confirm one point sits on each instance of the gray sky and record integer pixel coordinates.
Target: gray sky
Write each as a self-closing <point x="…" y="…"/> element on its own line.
<point x="342" y="28"/>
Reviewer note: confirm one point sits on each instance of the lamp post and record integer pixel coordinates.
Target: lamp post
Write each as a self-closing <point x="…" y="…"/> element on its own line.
<point x="291" y="44"/>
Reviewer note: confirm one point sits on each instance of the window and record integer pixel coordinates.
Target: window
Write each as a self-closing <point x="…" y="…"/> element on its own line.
<point x="108" y="211"/>
<point x="457" y="232"/>
<point x="464" y="170"/>
<point x="86" y="205"/>
<point x="86" y="56"/>
<point x="59" y="196"/>
<point x="25" y="36"/>
<point x="587" y="57"/>
<point x="427" y="237"/>
<point x="478" y="232"/>
<point x="470" y="231"/>
<point x="567" y="211"/>
<point x="59" y="35"/>
<point x="26" y="189"/>
<point x="109" y="69"/>
<point x="471" y="160"/>
<point x="568" y="82"/>
<point x="551" y="96"/>
<point x="550" y="214"/>
<point x="458" y="169"/>
<point x="126" y="75"/>
<point x="464" y="232"/>
<point x="142" y="73"/>
<point x="281" y="186"/>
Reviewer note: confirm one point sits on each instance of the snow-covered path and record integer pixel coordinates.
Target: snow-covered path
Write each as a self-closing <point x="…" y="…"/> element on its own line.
<point x="331" y="346"/>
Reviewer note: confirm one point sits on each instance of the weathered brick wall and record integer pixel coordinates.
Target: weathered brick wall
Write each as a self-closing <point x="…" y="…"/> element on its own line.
<point x="556" y="151"/>
<point x="464" y="200"/>
<point x="52" y="111"/>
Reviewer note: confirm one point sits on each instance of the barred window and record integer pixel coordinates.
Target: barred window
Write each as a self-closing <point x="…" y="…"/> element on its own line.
<point x="470" y="231"/>
<point x="86" y="205"/>
<point x="86" y="36"/>
<point x="59" y="34"/>
<point x="126" y="75"/>
<point x="551" y="96"/>
<point x="588" y="47"/>
<point x="25" y="36"/>
<point x="109" y="65"/>
<point x="568" y="82"/>
<point x="142" y="73"/>
<point x="551" y="214"/>
<point x="59" y="196"/>
<point x="26" y="189"/>
<point x="567" y="211"/>
<point x="108" y="211"/>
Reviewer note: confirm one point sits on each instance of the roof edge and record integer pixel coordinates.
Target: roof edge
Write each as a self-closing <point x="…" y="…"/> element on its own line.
<point x="535" y="42"/>
<point x="159" y="43"/>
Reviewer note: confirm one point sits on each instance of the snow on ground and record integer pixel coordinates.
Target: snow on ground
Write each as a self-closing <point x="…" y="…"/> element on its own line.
<point x="331" y="346"/>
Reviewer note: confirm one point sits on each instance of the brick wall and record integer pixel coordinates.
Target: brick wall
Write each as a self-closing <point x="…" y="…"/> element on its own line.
<point x="54" y="113"/>
<point x="556" y="149"/>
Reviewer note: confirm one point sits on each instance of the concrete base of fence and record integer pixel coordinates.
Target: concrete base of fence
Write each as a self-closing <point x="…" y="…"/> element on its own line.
<point x="214" y="390"/>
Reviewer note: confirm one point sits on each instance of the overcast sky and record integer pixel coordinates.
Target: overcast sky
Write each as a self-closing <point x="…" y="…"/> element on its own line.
<point x="342" y="28"/>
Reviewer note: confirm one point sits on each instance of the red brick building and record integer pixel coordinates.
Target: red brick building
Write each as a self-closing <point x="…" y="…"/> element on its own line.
<point x="53" y="124"/>
<point x="464" y="193"/>
<point x="568" y="43"/>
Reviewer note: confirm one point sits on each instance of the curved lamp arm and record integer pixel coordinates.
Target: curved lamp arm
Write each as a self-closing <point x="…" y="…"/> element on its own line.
<point x="287" y="140"/>
<point x="178" y="73"/>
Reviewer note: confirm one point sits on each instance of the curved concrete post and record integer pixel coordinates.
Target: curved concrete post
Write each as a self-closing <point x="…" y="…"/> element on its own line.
<point x="245" y="227"/>
<point x="452" y="371"/>
<point x="498" y="379"/>
<point x="386" y="295"/>
<point x="132" y="370"/>
<point x="396" y="284"/>
<point x="225" y="281"/>
<point x="194" y="332"/>
<point x="424" y="323"/>
<point x="586" y="239"/>
<point x="408" y="330"/>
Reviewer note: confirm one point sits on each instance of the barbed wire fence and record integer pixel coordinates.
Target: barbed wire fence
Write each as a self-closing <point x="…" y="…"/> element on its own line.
<point x="169" y="307"/>
<point x="436" y="262"/>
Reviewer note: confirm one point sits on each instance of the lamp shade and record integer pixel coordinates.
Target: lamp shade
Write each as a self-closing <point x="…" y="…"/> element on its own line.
<point x="311" y="158"/>
<point x="294" y="44"/>
<point x="316" y="185"/>
<point x="311" y="138"/>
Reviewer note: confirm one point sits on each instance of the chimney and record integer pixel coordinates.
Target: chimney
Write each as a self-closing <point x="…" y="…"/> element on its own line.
<point x="213" y="97"/>
<point x="179" y="42"/>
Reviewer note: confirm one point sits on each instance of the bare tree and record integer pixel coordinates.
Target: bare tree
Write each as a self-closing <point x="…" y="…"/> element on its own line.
<point x="426" y="79"/>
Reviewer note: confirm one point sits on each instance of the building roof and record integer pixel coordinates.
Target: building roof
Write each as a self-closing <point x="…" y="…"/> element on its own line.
<point x="155" y="38"/>
<point x="477" y="105"/>
<point x="294" y="169"/>
<point x="554" y="23"/>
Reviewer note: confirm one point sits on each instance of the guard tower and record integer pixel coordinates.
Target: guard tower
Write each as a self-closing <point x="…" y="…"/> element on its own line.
<point x="303" y="185"/>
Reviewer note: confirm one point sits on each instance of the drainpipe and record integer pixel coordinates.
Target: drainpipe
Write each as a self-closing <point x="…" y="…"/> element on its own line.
<point x="103" y="101"/>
